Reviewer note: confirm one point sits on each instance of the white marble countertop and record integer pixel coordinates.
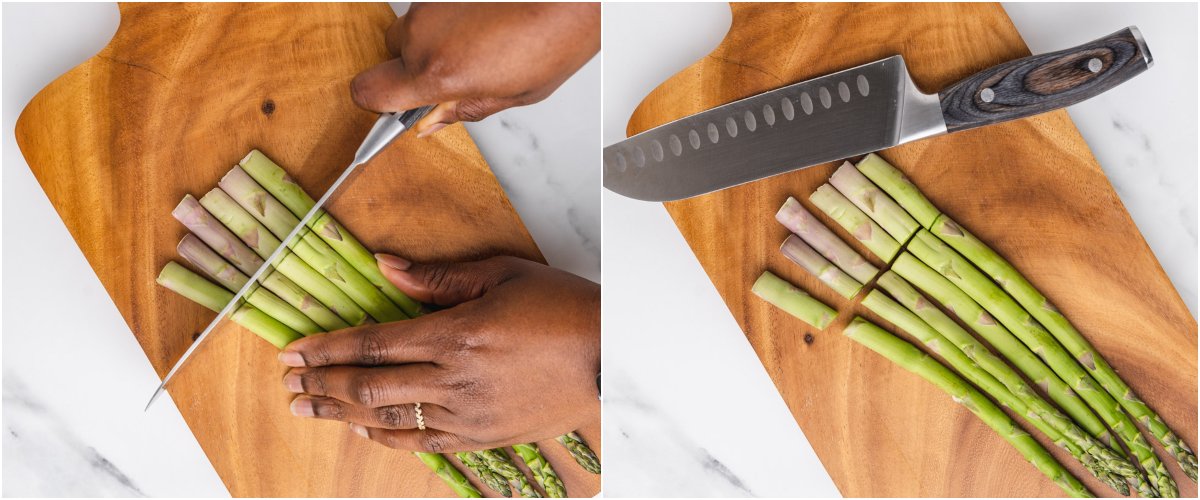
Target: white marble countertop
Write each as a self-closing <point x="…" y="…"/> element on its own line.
<point x="74" y="387"/>
<point x="689" y="410"/>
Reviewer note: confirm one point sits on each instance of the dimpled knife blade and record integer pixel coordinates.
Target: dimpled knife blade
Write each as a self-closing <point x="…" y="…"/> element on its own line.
<point x="387" y="128"/>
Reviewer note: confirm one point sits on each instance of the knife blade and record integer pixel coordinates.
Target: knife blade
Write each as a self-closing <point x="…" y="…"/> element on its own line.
<point x="853" y="112"/>
<point x="387" y="128"/>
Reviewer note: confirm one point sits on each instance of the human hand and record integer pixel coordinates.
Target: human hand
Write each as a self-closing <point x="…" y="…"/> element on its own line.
<point x="514" y="360"/>
<point x="473" y="60"/>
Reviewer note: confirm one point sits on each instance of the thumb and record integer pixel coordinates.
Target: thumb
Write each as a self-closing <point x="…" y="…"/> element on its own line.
<point x="392" y="86"/>
<point x="445" y="284"/>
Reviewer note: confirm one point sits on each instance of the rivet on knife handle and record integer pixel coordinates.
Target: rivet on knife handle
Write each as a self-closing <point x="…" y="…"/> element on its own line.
<point x="1044" y="82"/>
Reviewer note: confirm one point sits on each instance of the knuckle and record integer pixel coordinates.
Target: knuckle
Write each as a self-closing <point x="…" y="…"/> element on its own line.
<point x="434" y="442"/>
<point x="372" y="347"/>
<point x="437" y="276"/>
<point x="472" y="110"/>
<point x="366" y="391"/>
<point x="329" y="408"/>
<point x="313" y="382"/>
<point x="392" y="417"/>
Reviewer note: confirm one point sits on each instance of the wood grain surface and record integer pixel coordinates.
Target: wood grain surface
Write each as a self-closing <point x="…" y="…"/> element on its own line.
<point x="178" y="96"/>
<point x="1030" y="188"/>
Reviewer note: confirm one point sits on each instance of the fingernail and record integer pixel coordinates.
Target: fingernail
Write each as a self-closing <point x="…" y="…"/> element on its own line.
<point x="292" y="382"/>
<point x="431" y="129"/>
<point x="393" y="261"/>
<point x="358" y="429"/>
<point x="291" y="358"/>
<point x="302" y="407"/>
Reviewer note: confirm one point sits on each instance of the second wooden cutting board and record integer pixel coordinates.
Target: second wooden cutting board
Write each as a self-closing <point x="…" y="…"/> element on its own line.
<point x="1030" y="188"/>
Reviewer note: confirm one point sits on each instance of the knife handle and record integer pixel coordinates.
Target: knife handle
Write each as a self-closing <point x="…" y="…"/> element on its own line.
<point x="1044" y="82"/>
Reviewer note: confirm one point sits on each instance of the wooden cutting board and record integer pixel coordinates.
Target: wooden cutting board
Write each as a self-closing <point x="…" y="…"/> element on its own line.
<point x="1030" y="188"/>
<point x="178" y="96"/>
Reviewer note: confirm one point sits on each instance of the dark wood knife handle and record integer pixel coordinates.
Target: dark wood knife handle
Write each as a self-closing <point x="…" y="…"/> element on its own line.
<point x="1044" y="82"/>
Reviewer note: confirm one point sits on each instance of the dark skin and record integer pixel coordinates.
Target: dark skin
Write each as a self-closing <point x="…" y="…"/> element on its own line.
<point x="514" y="356"/>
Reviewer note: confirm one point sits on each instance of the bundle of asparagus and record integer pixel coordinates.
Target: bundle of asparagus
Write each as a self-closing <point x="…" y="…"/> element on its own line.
<point x="929" y="250"/>
<point x="326" y="281"/>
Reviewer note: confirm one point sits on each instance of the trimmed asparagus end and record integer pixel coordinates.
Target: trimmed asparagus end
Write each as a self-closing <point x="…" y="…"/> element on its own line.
<point x="201" y="291"/>
<point x="800" y="253"/>
<point x="793" y="301"/>
<point x="802" y="223"/>
<point x="874" y="202"/>
<point x="840" y="209"/>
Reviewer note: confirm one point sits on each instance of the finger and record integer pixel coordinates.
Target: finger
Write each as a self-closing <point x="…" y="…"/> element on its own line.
<point x="384" y="417"/>
<point x="394" y="343"/>
<point x="393" y="86"/>
<point x="426" y="441"/>
<point x="447" y="284"/>
<point x="464" y="110"/>
<point x="370" y="387"/>
<point x="397" y="35"/>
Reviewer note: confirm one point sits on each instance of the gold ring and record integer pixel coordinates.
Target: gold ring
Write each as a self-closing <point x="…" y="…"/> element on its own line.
<point x="420" y="417"/>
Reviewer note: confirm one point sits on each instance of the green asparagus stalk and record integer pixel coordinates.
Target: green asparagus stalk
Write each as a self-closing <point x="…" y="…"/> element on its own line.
<point x="954" y="267"/>
<point x="485" y="473"/>
<point x="973" y="315"/>
<point x="543" y="473"/>
<point x="445" y="470"/>
<point x="264" y="242"/>
<point x="580" y="451"/>
<point x="235" y="250"/>
<point x="797" y="251"/>
<point x="497" y="459"/>
<point x="793" y="301"/>
<point x="913" y="360"/>
<point x="897" y="185"/>
<point x="841" y="210"/>
<point x="275" y="181"/>
<point x="988" y="372"/>
<point x="195" y="251"/>
<point x="879" y="206"/>
<point x="1045" y="313"/>
<point x="201" y="291"/>
<point x="802" y="223"/>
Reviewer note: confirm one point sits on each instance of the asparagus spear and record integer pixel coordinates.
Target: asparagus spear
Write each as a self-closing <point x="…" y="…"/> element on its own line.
<point x="912" y="359"/>
<point x="1045" y="313"/>
<point x="262" y="241"/>
<point x="497" y="459"/>
<point x="221" y="239"/>
<point x="867" y="197"/>
<point x="201" y="291"/>
<point x="802" y="223"/>
<point x="792" y="300"/>
<point x="970" y="312"/>
<point x="442" y="467"/>
<point x="274" y="180"/>
<point x="583" y="455"/>
<point x="837" y="207"/>
<point x="195" y="251"/>
<point x="543" y="473"/>
<point x="979" y="366"/>
<point x="485" y="473"/>
<point x="897" y="185"/>
<point x="954" y="267"/>
<point x="800" y="253"/>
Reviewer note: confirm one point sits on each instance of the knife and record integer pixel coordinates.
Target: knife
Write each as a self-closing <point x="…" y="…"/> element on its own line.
<point x="387" y="128"/>
<point x="853" y="112"/>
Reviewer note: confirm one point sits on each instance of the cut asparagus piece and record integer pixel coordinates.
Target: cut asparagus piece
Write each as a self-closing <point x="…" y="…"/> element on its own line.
<point x="1045" y="313"/>
<point x="195" y="251"/>
<point x="497" y="459"/>
<point x="543" y="473"/>
<point x="913" y="360"/>
<point x="275" y="181"/>
<point x="580" y="451"/>
<point x="893" y="182"/>
<point x="201" y="291"/>
<point x="802" y="223"/>
<point x="978" y="365"/>
<point x="336" y="270"/>
<point x="837" y="207"/>
<point x="793" y="301"/>
<point x="445" y="470"/>
<point x="875" y="203"/>
<point x="485" y="474"/>
<point x="974" y="316"/>
<point x="958" y="270"/>
<point x="802" y="254"/>
<point x="233" y="249"/>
